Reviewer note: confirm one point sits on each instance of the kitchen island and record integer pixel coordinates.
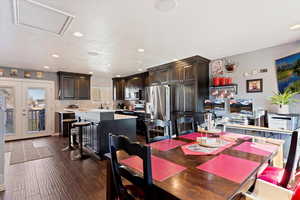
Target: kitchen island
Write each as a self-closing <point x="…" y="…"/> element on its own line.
<point x="104" y="122"/>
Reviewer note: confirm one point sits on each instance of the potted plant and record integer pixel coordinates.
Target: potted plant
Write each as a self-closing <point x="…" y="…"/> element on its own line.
<point x="283" y="100"/>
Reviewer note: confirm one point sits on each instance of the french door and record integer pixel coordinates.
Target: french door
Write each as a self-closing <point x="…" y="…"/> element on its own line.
<point x="29" y="108"/>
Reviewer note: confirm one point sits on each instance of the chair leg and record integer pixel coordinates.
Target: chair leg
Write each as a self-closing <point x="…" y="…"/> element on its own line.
<point x="81" y="155"/>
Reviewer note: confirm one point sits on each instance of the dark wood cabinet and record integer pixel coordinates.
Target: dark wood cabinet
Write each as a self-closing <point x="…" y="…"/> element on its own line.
<point x="118" y="89"/>
<point x="131" y="87"/>
<point x="82" y="87"/>
<point x="73" y="86"/>
<point x="159" y="76"/>
<point x="183" y="72"/>
<point x="184" y="97"/>
<point x="189" y="81"/>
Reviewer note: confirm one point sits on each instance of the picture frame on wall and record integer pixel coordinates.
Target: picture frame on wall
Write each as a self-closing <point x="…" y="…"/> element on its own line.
<point x="254" y="85"/>
<point x="40" y="74"/>
<point x="13" y="72"/>
<point x="27" y="74"/>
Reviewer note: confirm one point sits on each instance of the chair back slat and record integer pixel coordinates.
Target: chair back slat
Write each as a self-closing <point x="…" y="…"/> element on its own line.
<point x="122" y="143"/>
<point x="161" y="129"/>
<point x="290" y="161"/>
<point x="185" y="125"/>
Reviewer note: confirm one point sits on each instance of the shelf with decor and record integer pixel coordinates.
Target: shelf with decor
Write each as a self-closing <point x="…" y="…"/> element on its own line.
<point x="223" y="91"/>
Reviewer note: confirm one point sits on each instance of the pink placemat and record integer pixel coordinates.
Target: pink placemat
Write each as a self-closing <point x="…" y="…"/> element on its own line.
<point x="166" y="145"/>
<point x="193" y="136"/>
<point x="229" y="167"/>
<point x="210" y="151"/>
<point x="235" y="136"/>
<point x="161" y="168"/>
<point x="255" y="148"/>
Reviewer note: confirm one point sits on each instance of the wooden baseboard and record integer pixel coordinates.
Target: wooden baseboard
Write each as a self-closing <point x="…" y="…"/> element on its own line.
<point x="2" y="188"/>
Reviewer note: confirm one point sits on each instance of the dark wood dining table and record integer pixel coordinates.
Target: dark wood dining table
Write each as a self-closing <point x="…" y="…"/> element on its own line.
<point x="195" y="184"/>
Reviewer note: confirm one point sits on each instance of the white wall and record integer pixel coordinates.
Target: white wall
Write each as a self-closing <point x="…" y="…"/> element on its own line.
<point x="264" y="58"/>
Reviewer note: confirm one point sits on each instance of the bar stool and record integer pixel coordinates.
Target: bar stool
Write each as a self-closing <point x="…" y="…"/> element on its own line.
<point x="80" y="125"/>
<point x="69" y="125"/>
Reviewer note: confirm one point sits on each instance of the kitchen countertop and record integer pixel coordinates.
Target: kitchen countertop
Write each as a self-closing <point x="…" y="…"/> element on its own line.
<point x="119" y="116"/>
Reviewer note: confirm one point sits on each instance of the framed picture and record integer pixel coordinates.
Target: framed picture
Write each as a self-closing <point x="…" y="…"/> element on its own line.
<point x="40" y="74"/>
<point x="27" y="74"/>
<point x="254" y="85"/>
<point x="13" y="72"/>
<point x="1" y="72"/>
<point x="288" y="73"/>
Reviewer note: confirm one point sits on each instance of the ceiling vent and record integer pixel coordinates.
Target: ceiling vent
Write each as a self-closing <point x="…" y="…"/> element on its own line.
<point x="36" y="15"/>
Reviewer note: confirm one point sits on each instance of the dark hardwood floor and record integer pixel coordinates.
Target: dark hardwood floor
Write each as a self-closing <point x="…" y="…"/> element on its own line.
<point x="56" y="177"/>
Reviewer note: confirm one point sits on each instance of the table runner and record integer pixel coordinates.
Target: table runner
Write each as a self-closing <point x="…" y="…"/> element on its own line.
<point x="195" y="149"/>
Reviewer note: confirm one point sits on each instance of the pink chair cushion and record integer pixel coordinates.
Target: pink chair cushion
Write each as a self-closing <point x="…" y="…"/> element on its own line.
<point x="296" y="195"/>
<point x="272" y="175"/>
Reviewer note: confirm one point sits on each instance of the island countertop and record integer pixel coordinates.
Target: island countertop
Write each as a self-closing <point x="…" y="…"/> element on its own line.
<point x="94" y="114"/>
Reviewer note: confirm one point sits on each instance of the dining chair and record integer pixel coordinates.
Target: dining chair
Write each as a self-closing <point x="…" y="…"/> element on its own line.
<point x="267" y="191"/>
<point x="185" y="125"/>
<point x="158" y="130"/>
<point x="140" y="187"/>
<point x="282" y="176"/>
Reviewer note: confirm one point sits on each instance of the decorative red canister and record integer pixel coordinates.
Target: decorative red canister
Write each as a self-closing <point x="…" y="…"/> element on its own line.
<point x="228" y="81"/>
<point x="222" y="81"/>
<point x="216" y="81"/>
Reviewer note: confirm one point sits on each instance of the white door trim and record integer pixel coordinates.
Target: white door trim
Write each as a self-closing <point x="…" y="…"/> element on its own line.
<point x="50" y="107"/>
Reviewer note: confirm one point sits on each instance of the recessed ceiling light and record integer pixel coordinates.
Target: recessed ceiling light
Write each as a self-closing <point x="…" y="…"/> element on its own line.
<point x="141" y="50"/>
<point x="294" y="27"/>
<point x="55" y="55"/>
<point x="77" y="34"/>
<point x="118" y="75"/>
<point x="46" y="67"/>
<point x="165" y="5"/>
<point x="91" y="72"/>
<point x="140" y="70"/>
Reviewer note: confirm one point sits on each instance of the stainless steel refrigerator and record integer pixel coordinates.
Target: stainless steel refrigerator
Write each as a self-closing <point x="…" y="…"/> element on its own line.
<point x="158" y="99"/>
<point x="2" y="131"/>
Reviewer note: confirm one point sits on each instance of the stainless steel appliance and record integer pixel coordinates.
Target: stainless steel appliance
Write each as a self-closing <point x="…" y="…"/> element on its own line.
<point x="2" y="131"/>
<point x="158" y="101"/>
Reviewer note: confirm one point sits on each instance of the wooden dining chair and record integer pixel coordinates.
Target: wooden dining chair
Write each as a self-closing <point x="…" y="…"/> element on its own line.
<point x="282" y="176"/>
<point x="140" y="187"/>
<point x="158" y="130"/>
<point x="185" y="125"/>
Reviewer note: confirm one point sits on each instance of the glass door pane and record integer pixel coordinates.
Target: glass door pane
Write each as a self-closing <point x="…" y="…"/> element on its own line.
<point x="36" y="106"/>
<point x="8" y="92"/>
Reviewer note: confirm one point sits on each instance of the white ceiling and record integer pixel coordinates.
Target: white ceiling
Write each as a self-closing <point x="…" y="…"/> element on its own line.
<point x="117" y="28"/>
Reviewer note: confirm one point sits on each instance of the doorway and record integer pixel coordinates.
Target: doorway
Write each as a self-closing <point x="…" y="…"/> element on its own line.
<point x="29" y="108"/>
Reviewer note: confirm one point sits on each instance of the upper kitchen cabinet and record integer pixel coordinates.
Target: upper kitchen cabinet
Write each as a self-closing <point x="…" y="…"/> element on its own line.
<point x="119" y="89"/>
<point x="131" y="87"/>
<point x="134" y="86"/>
<point x="183" y="71"/>
<point x="159" y="75"/>
<point x="73" y="86"/>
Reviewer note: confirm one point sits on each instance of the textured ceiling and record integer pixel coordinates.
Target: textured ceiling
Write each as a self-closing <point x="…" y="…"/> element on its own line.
<point x="116" y="29"/>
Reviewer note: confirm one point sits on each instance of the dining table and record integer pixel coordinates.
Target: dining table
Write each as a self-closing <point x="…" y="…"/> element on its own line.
<point x="222" y="175"/>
